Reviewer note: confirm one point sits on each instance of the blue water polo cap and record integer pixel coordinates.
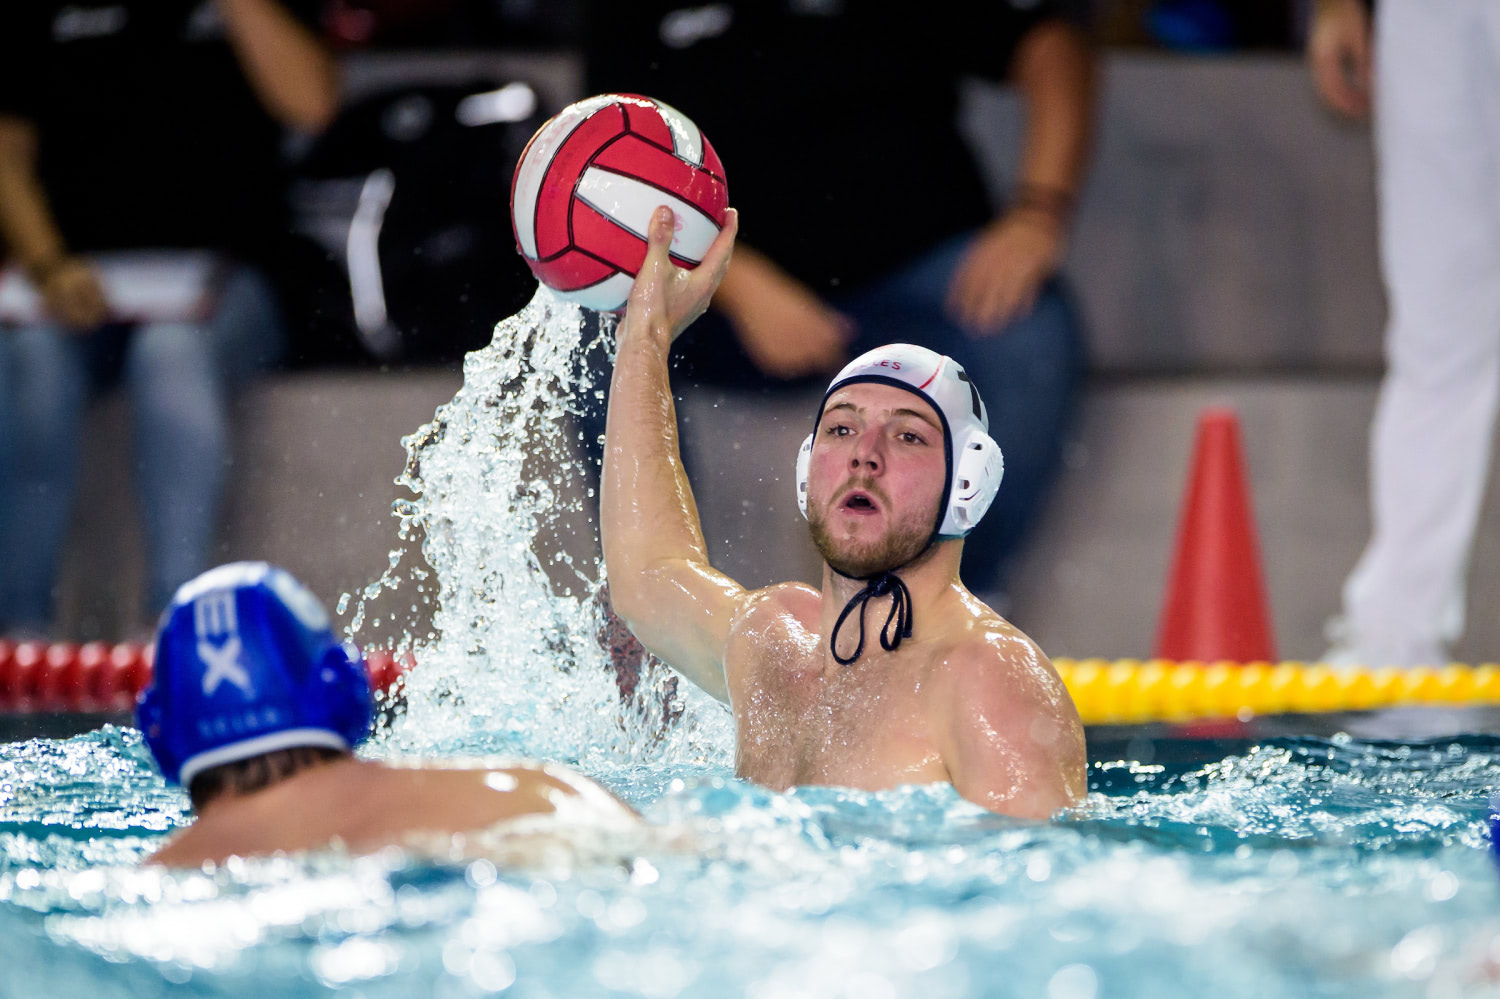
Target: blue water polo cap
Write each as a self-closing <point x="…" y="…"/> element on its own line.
<point x="247" y="663"/>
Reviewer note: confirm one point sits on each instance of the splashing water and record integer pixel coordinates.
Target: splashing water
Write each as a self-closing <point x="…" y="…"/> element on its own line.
<point x="520" y="658"/>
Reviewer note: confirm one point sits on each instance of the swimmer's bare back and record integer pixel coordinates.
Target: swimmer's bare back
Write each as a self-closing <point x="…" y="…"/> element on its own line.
<point x="363" y="806"/>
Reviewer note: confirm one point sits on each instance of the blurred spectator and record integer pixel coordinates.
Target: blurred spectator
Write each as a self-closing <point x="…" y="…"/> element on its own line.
<point x="428" y="254"/>
<point x="1431" y="73"/>
<point x="837" y="125"/>
<point x="129" y="126"/>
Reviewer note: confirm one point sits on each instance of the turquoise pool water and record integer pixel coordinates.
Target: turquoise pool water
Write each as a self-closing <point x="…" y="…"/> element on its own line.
<point x="1301" y="867"/>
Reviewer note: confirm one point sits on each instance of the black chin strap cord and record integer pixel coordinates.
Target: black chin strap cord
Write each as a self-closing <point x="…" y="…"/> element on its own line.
<point x="884" y="584"/>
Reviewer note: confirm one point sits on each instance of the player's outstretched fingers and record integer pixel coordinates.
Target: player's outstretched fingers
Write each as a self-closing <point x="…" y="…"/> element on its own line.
<point x="663" y="227"/>
<point x="657" y="264"/>
<point x="648" y="294"/>
<point x="695" y="288"/>
<point x="716" y="260"/>
<point x="664" y="292"/>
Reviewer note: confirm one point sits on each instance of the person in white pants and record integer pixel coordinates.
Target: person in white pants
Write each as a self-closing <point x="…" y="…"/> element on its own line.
<point x="1436" y="97"/>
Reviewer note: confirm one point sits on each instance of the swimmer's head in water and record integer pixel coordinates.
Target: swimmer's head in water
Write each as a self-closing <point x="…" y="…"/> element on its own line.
<point x="973" y="462"/>
<point x="246" y="664"/>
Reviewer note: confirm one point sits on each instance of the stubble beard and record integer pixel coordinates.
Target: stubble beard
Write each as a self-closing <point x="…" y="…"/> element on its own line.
<point x="901" y="546"/>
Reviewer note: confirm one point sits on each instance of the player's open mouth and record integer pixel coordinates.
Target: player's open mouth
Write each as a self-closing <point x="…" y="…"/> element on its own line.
<point x="859" y="502"/>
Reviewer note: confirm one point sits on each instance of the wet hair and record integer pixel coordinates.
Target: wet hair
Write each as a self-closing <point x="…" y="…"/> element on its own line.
<point x="257" y="773"/>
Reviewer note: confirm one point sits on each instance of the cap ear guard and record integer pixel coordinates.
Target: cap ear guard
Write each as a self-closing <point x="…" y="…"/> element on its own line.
<point x="347" y="696"/>
<point x="976" y="480"/>
<point x="804" y="460"/>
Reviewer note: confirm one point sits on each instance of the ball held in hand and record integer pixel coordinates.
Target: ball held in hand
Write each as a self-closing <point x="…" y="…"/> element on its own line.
<point x="587" y="184"/>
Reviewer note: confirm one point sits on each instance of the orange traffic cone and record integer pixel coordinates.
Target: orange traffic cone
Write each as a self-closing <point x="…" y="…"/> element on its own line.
<point x="1216" y="598"/>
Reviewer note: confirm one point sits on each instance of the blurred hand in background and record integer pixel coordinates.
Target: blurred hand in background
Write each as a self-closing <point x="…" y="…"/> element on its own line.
<point x="74" y="296"/>
<point x="1002" y="272"/>
<point x="785" y="328"/>
<point x="1340" y="53"/>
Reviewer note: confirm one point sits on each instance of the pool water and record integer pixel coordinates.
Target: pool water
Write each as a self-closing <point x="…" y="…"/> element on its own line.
<point x="1290" y="867"/>
<point x="1294" y="867"/>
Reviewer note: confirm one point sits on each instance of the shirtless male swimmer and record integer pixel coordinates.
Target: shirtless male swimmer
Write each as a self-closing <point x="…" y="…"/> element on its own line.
<point x="899" y="468"/>
<point x="255" y="708"/>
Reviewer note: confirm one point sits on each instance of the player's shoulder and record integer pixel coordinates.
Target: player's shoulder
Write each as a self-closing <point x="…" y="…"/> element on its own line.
<point x="992" y="650"/>
<point x="987" y="635"/>
<point x="779" y="602"/>
<point x="993" y="646"/>
<point x="182" y="850"/>
<point x="778" y="622"/>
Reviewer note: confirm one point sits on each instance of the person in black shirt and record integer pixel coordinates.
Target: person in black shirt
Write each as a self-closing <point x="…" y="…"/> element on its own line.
<point x="836" y="123"/>
<point x="128" y="125"/>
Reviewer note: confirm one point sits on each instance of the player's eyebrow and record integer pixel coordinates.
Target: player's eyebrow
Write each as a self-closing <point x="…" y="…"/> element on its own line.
<point x="917" y="415"/>
<point x="903" y="411"/>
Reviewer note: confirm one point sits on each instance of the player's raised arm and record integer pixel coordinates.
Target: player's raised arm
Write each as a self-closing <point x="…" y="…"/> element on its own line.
<point x="660" y="580"/>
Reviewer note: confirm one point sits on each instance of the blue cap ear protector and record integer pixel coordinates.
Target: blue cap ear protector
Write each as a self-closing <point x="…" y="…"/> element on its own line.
<point x="974" y="468"/>
<point x="975" y="464"/>
<point x="247" y="663"/>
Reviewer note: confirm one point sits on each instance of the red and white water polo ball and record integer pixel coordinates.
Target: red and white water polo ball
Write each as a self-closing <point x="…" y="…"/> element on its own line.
<point x="588" y="182"/>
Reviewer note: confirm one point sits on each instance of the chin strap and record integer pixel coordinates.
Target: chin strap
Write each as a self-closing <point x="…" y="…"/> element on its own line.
<point x="884" y="584"/>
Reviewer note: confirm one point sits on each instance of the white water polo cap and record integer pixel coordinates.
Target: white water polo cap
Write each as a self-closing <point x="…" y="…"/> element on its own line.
<point x="975" y="464"/>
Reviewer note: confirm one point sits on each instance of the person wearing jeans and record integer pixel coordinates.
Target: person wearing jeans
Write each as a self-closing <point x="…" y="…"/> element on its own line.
<point x="139" y="125"/>
<point x="180" y="378"/>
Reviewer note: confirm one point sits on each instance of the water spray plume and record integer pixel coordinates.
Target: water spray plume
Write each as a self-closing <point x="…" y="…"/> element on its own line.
<point x="521" y="654"/>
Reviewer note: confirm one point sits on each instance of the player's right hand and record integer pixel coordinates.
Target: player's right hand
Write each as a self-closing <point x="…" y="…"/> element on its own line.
<point x="1340" y="53"/>
<point x="74" y="297"/>
<point x="668" y="297"/>
<point x="786" y="329"/>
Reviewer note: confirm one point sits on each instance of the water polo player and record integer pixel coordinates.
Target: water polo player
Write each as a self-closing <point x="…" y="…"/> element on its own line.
<point x="892" y="673"/>
<point x="256" y="708"/>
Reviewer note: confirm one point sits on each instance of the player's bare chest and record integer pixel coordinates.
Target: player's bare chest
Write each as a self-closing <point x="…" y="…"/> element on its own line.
<point x="862" y="725"/>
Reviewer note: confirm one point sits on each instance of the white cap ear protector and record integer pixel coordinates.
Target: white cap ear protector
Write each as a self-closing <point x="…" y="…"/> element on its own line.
<point x="975" y="464"/>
